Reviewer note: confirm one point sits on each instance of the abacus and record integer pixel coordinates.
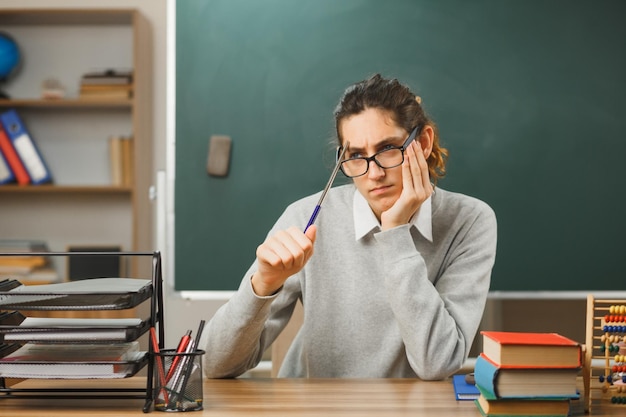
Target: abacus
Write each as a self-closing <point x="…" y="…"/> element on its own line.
<point x="604" y="367"/>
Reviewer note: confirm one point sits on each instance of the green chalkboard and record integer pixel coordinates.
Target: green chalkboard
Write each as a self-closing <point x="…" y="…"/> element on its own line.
<point x="529" y="96"/>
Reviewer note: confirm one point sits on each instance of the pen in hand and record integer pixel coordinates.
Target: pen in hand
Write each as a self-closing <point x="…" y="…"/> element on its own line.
<point x="328" y="184"/>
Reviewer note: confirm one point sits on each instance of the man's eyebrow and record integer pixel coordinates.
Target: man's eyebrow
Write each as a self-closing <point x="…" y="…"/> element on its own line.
<point x="396" y="141"/>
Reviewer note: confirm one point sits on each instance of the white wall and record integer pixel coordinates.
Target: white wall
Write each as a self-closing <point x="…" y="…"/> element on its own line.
<point x="180" y="313"/>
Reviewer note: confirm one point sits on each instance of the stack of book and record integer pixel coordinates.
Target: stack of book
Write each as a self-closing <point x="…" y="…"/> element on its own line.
<point x="531" y="374"/>
<point x="28" y="269"/>
<point x="108" y="84"/>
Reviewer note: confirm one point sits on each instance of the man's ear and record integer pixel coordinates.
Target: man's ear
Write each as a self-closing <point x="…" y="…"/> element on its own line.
<point x="426" y="138"/>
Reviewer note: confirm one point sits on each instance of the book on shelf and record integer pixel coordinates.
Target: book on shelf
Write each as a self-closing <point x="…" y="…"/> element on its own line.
<point x="68" y="361"/>
<point x="14" y="166"/>
<point x="497" y="382"/>
<point x="516" y="407"/>
<point x="105" y="93"/>
<point x="25" y="147"/>
<point x="107" y="77"/>
<point x="121" y="150"/>
<point x="531" y="349"/>
<point x="107" y="84"/>
<point x="21" y="264"/>
<point x="16" y="263"/>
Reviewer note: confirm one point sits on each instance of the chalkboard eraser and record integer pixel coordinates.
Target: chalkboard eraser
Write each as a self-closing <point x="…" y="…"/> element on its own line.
<point x="218" y="160"/>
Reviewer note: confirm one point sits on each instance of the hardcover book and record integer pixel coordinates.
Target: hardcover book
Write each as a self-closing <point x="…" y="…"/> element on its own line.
<point x="496" y="381"/>
<point x="464" y="390"/>
<point x="513" y="407"/>
<point x="522" y="349"/>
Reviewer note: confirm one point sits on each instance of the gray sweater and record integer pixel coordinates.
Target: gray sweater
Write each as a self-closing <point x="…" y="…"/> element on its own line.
<point x="391" y="304"/>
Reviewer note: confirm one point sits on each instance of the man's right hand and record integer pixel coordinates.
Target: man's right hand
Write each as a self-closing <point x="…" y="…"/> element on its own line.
<point x="281" y="256"/>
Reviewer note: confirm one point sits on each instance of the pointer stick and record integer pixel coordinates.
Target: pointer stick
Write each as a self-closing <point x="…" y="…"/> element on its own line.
<point x="330" y="182"/>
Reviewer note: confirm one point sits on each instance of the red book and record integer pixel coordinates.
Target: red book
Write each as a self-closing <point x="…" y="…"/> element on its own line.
<point x="14" y="161"/>
<point x="531" y="350"/>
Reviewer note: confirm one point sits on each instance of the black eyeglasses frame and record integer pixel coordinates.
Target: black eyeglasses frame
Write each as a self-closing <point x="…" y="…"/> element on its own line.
<point x="414" y="133"/>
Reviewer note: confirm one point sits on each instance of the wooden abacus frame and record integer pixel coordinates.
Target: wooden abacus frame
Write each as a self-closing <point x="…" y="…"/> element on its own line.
<point x="598" y="379"/>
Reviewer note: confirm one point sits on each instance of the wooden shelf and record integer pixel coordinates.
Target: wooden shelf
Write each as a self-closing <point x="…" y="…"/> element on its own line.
<point x="64" y="189"/>
<point x="67" y="17"/>
<point x="69" y="103"/>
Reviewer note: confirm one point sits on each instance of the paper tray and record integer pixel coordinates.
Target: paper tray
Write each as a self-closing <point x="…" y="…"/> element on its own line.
<point x="14" y="327"/>
<point x="74" y="370"/>
<point x="89" y="294"/>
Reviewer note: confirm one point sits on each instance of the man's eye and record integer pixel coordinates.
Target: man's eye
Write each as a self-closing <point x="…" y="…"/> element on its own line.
<point x="387" y="147"/>
<point x="355" y="155"/>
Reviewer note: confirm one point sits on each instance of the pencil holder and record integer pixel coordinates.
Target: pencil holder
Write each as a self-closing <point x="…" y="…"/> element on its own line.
<point x="178" y="380"/>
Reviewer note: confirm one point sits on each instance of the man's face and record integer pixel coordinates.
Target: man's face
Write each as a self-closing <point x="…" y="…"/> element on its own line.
<point x="369" y="132"/>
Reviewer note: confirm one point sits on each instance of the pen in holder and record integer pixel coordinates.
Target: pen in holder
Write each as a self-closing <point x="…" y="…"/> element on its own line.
<point x="183" y="389"/>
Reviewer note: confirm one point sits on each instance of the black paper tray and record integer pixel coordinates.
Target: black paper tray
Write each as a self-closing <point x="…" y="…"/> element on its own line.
<point x="74" y="370"/>
<point x="61" y="330"/>
<point x="89" y="294"/>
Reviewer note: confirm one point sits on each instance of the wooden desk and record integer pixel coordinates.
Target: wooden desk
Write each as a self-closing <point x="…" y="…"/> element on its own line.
<point x="279" y="397"/>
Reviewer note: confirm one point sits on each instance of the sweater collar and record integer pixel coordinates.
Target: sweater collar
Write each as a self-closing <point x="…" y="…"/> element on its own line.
<point x="365" y="221"/>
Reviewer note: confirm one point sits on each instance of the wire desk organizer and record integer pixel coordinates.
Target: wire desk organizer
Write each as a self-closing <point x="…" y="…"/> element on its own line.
<point x="78" y="300"/>
<point x="604" y="369"/>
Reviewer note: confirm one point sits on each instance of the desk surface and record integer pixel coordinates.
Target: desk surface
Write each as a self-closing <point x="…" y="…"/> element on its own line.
<point x="277" y="397"/>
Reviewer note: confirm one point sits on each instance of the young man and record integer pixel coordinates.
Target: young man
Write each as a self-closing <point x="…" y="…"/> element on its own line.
<point x="393" y="277"/>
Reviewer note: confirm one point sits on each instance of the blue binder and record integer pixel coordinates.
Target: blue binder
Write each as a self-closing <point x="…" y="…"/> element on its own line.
<point x="25" y="147"/>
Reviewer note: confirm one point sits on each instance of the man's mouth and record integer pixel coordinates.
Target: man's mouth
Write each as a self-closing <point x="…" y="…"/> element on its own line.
<point x="380" y="189"/>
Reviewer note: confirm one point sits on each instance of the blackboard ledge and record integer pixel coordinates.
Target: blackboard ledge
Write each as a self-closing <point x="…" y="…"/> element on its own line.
<point x="204" y="295"/>
<point x="554" y="295"/>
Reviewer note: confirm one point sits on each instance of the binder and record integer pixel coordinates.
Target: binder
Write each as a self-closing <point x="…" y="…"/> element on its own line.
<point x="6" y="175"/>
<point x="25" y="147"/>
<point x="14" y="163"/>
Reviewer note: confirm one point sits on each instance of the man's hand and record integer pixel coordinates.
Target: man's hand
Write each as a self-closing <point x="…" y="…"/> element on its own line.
<point x="416" y="188"/>
<point x="280" y="256"/>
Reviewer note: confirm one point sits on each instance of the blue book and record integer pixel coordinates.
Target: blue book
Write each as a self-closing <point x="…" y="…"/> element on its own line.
<point x="464" y="390"/>
<point x="25" y="147"/>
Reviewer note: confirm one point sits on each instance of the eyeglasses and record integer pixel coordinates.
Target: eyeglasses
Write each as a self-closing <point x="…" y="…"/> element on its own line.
<point x="387" y="158"/>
